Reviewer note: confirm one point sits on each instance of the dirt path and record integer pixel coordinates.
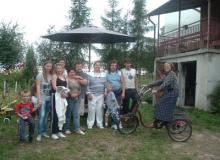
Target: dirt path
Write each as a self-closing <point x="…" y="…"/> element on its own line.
<point x="204" y="145"/>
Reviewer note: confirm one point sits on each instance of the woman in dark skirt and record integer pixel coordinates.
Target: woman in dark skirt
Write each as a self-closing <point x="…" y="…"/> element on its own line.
<point x="165" y="106"/>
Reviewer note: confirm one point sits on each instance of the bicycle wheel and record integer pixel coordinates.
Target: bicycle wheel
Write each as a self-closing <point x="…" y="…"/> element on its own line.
<point x="127" y="123"/>
<point x="180" y="130"/>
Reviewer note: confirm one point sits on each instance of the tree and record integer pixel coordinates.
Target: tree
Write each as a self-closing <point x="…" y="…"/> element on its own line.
<point x="50" y="50"/>
<point x="139" y="27"/>
<point x="30" y="68"/>
<point x="79" y="16"/>
<point x="11" y="44"/>
<point x="113" y="21"/>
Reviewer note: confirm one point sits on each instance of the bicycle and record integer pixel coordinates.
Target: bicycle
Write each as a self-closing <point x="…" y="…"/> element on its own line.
<point x="179" y="130"/>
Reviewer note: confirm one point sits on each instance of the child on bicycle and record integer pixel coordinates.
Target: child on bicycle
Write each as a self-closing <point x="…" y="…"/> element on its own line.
<point x="112" y="107"/>
<point x="24" y="110"/>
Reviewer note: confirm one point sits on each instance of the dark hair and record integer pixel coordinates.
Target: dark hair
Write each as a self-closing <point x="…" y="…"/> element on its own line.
<point x="78" y="62"/>
<point x="71" y="69"/>
<point x="25" y="92"/>
<point x="61" y="59"/>
<point x="96" y="62"/>
<point x="114" y="61"/>
<point x="127" y="60"/>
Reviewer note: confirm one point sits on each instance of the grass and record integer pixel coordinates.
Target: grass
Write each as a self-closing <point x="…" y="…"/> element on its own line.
<point x="107" y="144"/>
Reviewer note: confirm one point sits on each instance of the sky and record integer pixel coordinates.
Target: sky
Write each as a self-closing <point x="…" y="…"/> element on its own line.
<point x="35" y="16"/>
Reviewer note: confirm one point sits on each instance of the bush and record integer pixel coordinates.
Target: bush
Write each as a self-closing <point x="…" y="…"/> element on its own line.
<point x="215" y="99"/>
<point x="148" y="98"/>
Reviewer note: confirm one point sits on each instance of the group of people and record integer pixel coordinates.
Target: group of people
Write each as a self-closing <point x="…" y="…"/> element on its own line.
<point x="63" y="94"/>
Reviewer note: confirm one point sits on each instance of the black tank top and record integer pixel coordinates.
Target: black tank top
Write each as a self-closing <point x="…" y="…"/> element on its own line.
<point x="60" y="82"/>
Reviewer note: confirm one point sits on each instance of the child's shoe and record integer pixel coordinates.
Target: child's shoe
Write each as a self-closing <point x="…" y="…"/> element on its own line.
<point x="38" y="138"/>
<point x="114" y="126"/>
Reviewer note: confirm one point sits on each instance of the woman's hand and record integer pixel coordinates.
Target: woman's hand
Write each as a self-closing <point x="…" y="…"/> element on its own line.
<point x="39" y="102"/>
<point x="122" y="95"/>
<point x="89" y="96"/>
<point x="63" y="94"/>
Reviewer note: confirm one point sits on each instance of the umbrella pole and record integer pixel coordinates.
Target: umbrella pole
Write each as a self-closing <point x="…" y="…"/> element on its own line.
<point x="89" y="56"/>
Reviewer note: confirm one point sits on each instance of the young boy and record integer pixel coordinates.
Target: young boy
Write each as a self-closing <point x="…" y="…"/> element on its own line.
<point x="112" y="107"/>
<point x="24" y="110"/>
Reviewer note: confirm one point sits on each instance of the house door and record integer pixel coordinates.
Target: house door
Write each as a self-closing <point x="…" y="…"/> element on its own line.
<point x="190" y="83"/>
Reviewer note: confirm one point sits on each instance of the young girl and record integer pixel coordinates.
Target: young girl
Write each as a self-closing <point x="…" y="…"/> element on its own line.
<point x="43" y="93"/>
<point x="59" y="106"/>
<point x="112" y="107"/>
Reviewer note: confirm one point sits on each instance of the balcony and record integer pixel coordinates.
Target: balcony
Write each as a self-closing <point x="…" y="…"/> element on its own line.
<point x="191" y="37"/>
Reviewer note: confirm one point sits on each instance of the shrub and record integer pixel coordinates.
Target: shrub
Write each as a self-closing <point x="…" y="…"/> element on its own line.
<point x="215" y="99"/>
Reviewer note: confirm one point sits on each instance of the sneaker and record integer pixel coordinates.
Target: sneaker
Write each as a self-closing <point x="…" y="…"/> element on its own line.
<point x="120" y="126"/>
<point x="114" y="126"/>
<point x="80" y="132"/>
<point x="45" y="135"/>
<point x="61" y="135"/>
<point x="67" y="132"/>
<point x="54" y="136"/>
<point x="38" y="138"/>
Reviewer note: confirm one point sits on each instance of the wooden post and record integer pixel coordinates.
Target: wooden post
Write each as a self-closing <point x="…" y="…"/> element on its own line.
<point x="4" y="87"/>
<point x="16" y="87"/>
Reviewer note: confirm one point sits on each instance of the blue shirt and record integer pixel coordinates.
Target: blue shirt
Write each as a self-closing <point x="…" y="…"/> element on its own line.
<point x="115" y="79"/>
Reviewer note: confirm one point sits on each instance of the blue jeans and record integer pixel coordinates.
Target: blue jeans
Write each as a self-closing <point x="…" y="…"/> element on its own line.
<point x="21" y="124"/>
<point x="43" y="114"/>
<point x="115" y="116"/>
<point x="72" y="108"/>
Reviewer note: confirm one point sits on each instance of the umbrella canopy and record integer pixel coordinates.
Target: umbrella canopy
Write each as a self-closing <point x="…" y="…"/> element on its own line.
<point x="90" y="35"/>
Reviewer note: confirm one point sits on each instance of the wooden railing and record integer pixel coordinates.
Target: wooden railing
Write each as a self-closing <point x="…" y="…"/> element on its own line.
<point x="191" y="37"/>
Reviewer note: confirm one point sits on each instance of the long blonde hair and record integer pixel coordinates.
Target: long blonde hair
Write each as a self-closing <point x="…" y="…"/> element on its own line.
<point x="55" y="68"/>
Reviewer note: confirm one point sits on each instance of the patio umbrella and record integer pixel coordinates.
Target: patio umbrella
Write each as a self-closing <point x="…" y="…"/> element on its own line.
<point x="91" y="34"/>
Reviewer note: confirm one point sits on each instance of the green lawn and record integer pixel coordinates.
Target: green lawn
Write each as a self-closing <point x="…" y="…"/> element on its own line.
<point x="146" y="144"/>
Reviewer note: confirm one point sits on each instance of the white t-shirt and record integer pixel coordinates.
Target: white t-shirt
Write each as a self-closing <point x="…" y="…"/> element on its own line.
<point x="129" y="76"/>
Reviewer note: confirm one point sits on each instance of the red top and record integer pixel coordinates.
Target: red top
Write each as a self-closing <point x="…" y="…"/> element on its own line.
<point x="25" y="109"/>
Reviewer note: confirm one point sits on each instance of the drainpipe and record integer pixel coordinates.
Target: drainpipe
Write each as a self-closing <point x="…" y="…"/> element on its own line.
<point x="209" y="16"/>
<point x="158" y="34"/>
<point x="154" y="35"/>
<point x="179" y="24"/>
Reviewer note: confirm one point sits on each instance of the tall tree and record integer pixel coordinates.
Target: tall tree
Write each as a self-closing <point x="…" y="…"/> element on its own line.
<point x="139" y="27"/>
<point x="30" y="68"/>
<point x="11" y="44"/>
<point x="79" y="16"/>
<point x="114" y="22"/>
<point x="50" y="50"/>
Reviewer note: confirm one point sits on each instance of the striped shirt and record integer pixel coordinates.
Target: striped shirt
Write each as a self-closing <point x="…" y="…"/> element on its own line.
<point x="96" y="83"/>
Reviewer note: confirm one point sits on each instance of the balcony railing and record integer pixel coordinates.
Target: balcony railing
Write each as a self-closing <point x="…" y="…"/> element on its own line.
<point x="191" y="37"/>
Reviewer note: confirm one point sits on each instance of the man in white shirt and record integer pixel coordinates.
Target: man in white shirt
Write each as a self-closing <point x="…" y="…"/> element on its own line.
<point x="130" y="86"/>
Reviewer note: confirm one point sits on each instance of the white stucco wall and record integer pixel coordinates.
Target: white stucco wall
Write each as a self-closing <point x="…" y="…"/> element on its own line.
<point x="207" y="74"/>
